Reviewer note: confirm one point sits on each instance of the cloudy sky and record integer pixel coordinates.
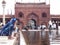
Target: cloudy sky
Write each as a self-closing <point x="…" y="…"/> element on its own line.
<point x="54" y="5"/>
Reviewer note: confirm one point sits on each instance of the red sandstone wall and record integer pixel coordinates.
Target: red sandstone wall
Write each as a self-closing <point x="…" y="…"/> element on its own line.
<point x="28" y="8"/>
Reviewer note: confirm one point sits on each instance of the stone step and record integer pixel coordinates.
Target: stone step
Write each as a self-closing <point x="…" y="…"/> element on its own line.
<point x="3" y="38"/>
<point x="58" y="38"/>
<point x="55" y="42"/>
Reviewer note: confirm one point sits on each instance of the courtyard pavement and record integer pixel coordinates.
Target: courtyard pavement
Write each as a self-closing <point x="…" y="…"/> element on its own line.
<point x="53" y="41"/>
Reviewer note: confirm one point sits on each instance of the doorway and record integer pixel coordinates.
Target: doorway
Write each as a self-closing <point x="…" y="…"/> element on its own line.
<point x="32" y="23"/>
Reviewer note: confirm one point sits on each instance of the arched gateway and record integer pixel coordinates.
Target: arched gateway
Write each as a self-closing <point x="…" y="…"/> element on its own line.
<point x="32" y="20"/>
<point x="32" y="11"/>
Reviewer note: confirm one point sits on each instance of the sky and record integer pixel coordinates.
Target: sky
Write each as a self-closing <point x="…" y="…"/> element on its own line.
<point x="10" y="4"/>
<point x="55" y="7"/>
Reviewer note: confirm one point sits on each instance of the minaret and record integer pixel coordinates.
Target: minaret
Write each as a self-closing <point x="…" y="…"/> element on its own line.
<point x="3" y="5"/>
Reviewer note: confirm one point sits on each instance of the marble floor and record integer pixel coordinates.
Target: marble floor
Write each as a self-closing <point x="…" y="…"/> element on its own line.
<point x="53" y="39"/>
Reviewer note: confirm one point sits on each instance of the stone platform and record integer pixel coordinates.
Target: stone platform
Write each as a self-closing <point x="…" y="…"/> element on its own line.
<point x="5" y="41"/>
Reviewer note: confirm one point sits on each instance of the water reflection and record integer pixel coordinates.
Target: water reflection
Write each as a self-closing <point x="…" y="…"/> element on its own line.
<point x="36" y="37"/>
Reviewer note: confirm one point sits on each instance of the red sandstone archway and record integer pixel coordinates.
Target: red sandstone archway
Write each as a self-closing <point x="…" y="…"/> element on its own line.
<point x="34" y="17"/>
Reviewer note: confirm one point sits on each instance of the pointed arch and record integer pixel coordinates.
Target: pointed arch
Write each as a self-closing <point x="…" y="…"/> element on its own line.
<point x="33" y="16"/>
